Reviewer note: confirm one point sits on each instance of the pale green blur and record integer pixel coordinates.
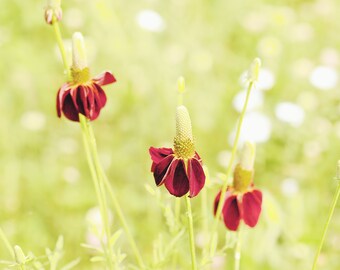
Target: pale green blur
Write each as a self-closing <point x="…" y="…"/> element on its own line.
<point x="45" y="184"/>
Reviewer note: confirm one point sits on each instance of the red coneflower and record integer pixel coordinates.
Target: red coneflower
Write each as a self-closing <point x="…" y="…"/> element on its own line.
<point x="179" y="169"/>
<point x="83" y="94"/>
<point x="242" y="200"/>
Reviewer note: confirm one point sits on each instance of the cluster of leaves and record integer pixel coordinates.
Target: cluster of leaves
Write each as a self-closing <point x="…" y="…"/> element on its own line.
<point x="51" y="259"/>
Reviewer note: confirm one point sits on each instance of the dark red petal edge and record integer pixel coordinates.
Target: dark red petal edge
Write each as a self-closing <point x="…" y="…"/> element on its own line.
<point x="104" y="78"/>
<point x="251" y="207"/>
<point x="162" y="169"/>
<point x="231" y="213"/>
<point x="157" y="154"/>
<point x="196" y="177"/>
<point x="176" y="181"/>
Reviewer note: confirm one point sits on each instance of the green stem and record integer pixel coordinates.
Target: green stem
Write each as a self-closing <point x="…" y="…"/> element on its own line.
<point x="237" y="254"/>
<point x="335" y="199"/>
<point x="204" y="215"/>
<point x="191" y="234"/>
<point x="99" y="191"/>
<point x="177" y="213"/>
<point x="105" y="182"/>
<point x="61" y="47"/>
<point x="231" y="162"/>
<point x="177" y="220"/>
<point x="7" y="244"/>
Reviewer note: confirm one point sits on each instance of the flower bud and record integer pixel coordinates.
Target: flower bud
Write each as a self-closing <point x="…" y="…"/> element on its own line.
<point x="53" y="9"/>
<point x="254" y="70"/>
<point x="183" y="142"/>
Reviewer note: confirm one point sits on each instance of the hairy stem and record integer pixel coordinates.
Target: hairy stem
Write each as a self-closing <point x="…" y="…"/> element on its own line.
<point x="105" y="183"/>
<point x="7" y="243"/>
<point x="237" y="254"/>
<point x="61" y="46"/>
<point x="191" y="234"/>
<point x="100" y="193"/>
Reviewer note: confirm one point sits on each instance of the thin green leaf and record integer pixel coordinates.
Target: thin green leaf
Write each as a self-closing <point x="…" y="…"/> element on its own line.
<point x="71" y="264"/>
<point x="97" y="259"/>
<point x="115" y="237"/>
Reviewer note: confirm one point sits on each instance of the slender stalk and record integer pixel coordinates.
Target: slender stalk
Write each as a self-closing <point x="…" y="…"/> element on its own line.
<point x="231" y="162"/>
<point x="99" y="192"/>
<point x="177" y="213"/>
<point x="61" y="46"/>
<point x="7" y="243"/>
<point x="191" y="234"/>
<point x="335" y="200"/>
<point x="237" y="254"/>
<point x="105" y="183"/>
<point x="205" y="225"/>
<point x="204" y="207"/>
<point x="177" y="220"/>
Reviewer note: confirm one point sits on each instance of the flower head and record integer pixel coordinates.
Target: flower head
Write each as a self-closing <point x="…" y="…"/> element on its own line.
<point x="242" y="200"/>
<point x="82" y="94"/>
<point x="53" y="9"/>
<point x="179" y="169"/>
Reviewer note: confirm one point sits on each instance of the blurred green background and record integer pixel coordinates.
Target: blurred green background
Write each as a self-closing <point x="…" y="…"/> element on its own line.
<point x="45" y="185"/>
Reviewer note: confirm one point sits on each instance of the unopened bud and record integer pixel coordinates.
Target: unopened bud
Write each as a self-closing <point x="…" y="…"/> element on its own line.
<point x="19" y="255"/>
<point x="78" y="52"/>
<point x="53" y="9"/>
<point x="254" y="70"/>
<point x="181" y="85"/>
<point x="184" y="142"/>
<point x="248" y="156"/>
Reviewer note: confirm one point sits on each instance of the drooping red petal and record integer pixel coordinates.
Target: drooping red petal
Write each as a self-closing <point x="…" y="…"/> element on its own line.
<point x="63" y="91"/>
<point x="74" y="95"/>
<point x="251" y="207"/>
<point x="157" y="154"/>
<point x="161" y="169"/>
<point x="231" y="212"/>
<point x="90" y="102"/>
<point x="104" y="78"/>
<point x="176" y="180"/>
<point x="82" y="101"/>
<point x="100" y="95"/>
<point x="69" y="110"/>
<point x="196" y="177"/>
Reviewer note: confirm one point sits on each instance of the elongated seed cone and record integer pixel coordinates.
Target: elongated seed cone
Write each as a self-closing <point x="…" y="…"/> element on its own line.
<point x="183" y="142"/>
<point x="78" y="52"/>
<point x="248" y="156"/>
